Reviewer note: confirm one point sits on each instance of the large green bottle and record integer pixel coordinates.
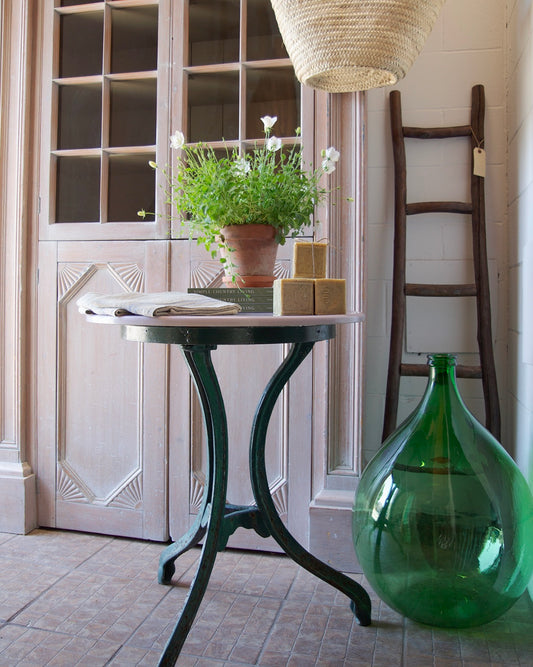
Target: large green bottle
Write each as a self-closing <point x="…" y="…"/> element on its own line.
<point x="443" y="518"/>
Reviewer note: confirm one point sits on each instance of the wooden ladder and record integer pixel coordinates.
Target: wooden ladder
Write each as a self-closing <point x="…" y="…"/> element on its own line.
<point x="402" y="289"/>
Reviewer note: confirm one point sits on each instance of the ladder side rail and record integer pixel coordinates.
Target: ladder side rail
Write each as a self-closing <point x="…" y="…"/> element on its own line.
<point x="399" y="262"/>
<point x="484" y="321"/>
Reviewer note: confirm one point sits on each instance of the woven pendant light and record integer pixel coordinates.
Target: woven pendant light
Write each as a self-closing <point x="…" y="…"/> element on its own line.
<point x="347" y="45"/>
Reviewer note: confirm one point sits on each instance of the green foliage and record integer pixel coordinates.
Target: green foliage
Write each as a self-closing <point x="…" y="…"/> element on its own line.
<point x="265" y="186"/>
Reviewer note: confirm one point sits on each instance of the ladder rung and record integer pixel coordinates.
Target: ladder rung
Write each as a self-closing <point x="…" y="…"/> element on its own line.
<point x="420" y="370"/>
<point x="438" y="207"/>
<point x="419" y="289"/>
<point x="437" y="132"/>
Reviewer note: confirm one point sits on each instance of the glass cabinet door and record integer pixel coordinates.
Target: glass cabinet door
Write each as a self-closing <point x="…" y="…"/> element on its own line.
<point x="103" y="103"/>
<point x="235" y="70"/>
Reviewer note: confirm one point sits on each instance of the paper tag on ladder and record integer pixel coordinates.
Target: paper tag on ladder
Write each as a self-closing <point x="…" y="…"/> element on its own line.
<point x="480" y="160"/>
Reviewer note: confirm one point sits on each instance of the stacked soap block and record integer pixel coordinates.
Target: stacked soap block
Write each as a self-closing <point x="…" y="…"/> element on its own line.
<point x="309" y="292"/>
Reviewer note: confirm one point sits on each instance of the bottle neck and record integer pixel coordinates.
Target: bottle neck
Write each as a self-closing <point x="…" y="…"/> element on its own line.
<point x="442" y="366"/>
<point x="442" y="378"/>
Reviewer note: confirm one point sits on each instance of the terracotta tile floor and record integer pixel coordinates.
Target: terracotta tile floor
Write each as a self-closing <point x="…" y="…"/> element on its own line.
<point x="76" y="599"/>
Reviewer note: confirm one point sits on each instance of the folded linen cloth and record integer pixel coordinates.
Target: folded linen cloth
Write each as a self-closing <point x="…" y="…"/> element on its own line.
<point x="154" y="304"/>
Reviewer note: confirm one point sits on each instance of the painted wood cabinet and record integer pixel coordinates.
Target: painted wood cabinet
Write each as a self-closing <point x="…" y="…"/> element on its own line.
<point x="120" y="434"/>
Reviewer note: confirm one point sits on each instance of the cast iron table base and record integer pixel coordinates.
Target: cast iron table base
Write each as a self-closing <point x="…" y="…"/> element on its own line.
<point x="217" y="520"/>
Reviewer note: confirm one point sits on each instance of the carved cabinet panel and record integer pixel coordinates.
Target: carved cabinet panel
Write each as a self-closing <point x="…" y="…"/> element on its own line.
<point x="106" y="450"/>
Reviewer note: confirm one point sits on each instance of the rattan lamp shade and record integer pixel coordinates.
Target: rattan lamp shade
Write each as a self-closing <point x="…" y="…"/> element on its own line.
<point x="347" y="45"/>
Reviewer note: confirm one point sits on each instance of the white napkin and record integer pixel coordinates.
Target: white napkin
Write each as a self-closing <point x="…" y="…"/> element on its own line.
<point x="154" y="304"/>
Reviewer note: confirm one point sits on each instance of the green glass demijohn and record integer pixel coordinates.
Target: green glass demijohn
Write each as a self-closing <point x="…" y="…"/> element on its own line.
<point x="443" y="518"/>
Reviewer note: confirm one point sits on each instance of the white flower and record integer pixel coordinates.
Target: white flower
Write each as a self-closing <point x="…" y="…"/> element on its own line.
<point x="177" y="140"/>
<point x="328" y="166"/>
<point x="269" y="122"/>
<point x="331" y="154"/>
<point x="242" y="166"/>
<point x="273" y="143"/>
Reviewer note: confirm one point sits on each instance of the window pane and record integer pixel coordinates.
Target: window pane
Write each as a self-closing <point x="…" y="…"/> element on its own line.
<point x="131" y="187"/>
<point x="272" y="92"/>
<point x="263" y="37"/>
<point x="213" y="106"/>
<point x="78" y="189"/>
<point x="80" y="114"/>
<point x="81" y="41"/>
<point x="213" y="32"/>
<point x="133" y="113"/>
<point x="133" y="39"/>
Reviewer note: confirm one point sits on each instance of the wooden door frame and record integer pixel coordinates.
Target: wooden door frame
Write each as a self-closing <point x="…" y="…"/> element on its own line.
<point x="338" y="370"/>
<point x="20" y="26"/>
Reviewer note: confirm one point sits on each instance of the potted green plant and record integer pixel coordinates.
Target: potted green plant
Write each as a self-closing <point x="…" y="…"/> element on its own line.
<point x="252" y="201"/>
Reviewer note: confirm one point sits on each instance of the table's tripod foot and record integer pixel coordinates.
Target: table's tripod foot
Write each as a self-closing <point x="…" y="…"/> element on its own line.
<point x="166" y="572"/>
<point x="361" y="613"/>
<point x="360" y="603"/>
<point x="357" y="594"/>
<point x="174" y="550"/>
<point x="192" y="602"/>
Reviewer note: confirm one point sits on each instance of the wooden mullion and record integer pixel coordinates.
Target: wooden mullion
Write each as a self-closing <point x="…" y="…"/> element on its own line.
<point x="132" y="76"/>
<point x="78" y="80"/>
<point x="278" y="63"/>
<point x="104" y="187"/>
<point x="131" y="150"/>
<point x="243" y="34"/>
<point x="243" y="83"/>
<point x="106" y="116"/>
<point x="81" y="9"/>
<point x="132" y="3"/>
<point x="215" y="68"/>
<point x="76" y="152"/>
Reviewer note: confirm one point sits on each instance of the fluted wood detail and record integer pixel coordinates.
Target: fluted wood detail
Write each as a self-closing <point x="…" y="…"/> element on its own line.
<point x="197" y="491"/>
<point x="70" y="275"/>
<point x="131" y="497"/>
<point x="207" y="274"/>
<point x="280" y="498"/>
<point x="67" y="489"/>
<point x="130" y="275"/>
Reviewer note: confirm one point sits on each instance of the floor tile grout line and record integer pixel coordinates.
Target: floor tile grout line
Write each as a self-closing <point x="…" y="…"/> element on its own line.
<point x="283" y="600"/>
<point x="109" y="540"/>
<point x="59" y="578"/>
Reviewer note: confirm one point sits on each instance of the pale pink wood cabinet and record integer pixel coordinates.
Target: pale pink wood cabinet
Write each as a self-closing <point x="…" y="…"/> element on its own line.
<point x="120" y="439"/>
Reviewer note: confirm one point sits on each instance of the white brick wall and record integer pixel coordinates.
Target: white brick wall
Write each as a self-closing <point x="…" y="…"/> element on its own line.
<point x="465" y="48"/>
<point x="519" y="405"/>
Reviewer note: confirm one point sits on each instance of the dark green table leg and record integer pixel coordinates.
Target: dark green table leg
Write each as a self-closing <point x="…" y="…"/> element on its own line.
<point x="200" y="364"/>
<point x="197" y="531"/>
<point x="360" y="604"/>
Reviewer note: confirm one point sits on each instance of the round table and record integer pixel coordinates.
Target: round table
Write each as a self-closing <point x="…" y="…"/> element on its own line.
<point x="197" y="337"/>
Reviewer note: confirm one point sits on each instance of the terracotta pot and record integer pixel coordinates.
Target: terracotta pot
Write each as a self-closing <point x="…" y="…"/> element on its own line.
<point x="254" y="249"/>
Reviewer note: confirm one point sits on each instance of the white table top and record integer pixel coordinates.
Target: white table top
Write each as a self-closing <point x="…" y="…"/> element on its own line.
<point x="240" y="320"/>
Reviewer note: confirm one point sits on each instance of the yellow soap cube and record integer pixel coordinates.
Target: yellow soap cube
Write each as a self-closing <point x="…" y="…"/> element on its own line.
<point x="309" y="260"/>
<point x="293" y="297"/>
<point x="330" y="296"/>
